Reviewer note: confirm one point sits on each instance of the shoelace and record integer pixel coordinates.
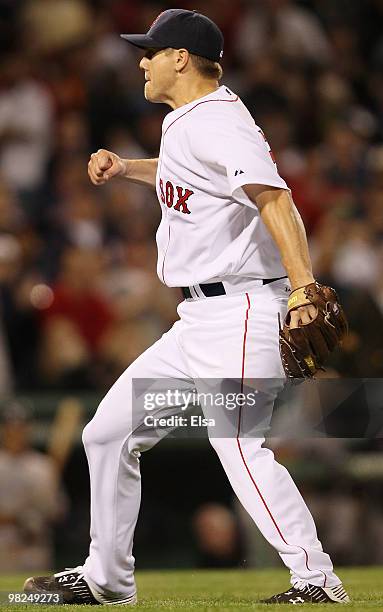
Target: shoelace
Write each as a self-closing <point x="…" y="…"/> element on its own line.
<point x="72" y="570"/>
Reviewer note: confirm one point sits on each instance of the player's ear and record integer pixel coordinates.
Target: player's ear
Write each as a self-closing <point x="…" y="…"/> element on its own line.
<point x="181" y="59"/>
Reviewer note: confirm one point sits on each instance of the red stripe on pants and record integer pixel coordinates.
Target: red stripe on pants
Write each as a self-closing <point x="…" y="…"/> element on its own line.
<point x="241" y="452"/>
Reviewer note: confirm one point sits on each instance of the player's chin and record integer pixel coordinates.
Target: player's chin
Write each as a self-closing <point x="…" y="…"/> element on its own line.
<point x="149" y="92"/>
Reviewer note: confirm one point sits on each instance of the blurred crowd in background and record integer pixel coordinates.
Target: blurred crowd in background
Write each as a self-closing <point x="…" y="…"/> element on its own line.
<point x="79" y="296"/>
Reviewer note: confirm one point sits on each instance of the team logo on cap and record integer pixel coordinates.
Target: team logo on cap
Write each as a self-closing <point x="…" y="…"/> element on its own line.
<point x="156" y="19"/>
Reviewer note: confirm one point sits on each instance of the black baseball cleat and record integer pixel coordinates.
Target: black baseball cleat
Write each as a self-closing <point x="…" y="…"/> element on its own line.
<point x="73" y="588"/>
<point x="310" y="594"/>
<point x="70" y="584"/>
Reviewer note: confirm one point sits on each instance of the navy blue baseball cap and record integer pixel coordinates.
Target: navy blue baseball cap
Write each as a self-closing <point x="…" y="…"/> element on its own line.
<point x="181" y="29"/>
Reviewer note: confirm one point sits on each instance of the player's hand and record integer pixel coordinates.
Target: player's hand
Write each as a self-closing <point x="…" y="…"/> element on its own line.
<point x="105" y="165"/>
<point x="302" y="315"/>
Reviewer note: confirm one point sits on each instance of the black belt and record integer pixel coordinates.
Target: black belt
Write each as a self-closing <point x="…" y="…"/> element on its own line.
<point x="213" y="289"/>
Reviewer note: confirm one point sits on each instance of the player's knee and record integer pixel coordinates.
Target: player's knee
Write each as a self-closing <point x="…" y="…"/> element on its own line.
<point x="95" y="433"/>
<point x="103" y="428"/>
<point x="99" y="433"/>
<point x="88" y="435"/>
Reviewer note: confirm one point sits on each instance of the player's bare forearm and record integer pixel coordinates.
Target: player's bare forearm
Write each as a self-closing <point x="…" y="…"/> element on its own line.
<point x="285" y="225"/>
<point x="141" y="171"/>
<point x="105" y="165"/>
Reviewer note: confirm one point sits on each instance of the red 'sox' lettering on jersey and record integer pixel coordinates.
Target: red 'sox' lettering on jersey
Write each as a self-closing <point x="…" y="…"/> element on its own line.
<point x="169" y="190"/>
<point x="183" y="194"/>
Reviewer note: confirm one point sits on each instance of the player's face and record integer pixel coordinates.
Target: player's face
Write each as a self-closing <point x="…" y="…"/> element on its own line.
<point x="158" y="66"/>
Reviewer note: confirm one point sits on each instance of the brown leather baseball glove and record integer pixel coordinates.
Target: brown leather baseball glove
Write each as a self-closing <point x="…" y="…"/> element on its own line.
<point x="305" y="348"/>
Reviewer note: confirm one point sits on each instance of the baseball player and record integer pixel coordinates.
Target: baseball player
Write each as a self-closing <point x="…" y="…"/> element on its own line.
<point x="231" y="238"/>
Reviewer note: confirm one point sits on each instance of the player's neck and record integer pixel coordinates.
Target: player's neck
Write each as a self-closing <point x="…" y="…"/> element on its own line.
<point x="192" y="91"/>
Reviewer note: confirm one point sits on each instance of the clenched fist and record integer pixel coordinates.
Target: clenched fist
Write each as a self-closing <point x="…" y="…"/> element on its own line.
<point x="104" y="165"/>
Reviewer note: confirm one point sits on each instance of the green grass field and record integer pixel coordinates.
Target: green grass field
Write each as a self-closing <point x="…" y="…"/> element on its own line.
<point x="223" y="590"/>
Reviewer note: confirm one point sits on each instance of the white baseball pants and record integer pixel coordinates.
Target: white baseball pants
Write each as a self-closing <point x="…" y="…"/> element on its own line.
<point x="234" y="336"/>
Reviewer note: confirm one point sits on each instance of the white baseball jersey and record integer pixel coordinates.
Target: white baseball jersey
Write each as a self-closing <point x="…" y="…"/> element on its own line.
<point x="210" y="230"/>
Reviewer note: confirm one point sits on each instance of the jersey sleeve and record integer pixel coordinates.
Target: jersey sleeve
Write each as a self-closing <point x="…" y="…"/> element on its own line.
<point x="239" y="147"/>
